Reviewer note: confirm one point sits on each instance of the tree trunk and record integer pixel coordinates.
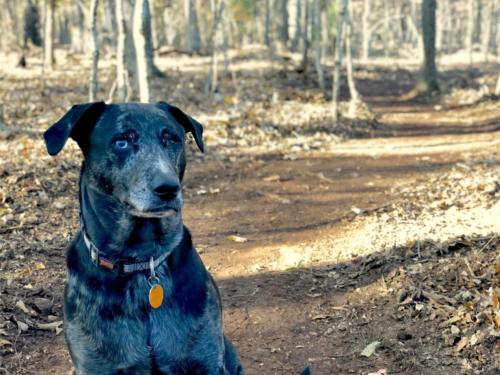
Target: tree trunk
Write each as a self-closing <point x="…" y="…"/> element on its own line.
<point x="298" y="27"/>
<point x="170" y="31"/>
<point x="325" y="35"/>
<point x="439" y="27"/>
<point x="282" y="27"/>
<point x="78" y="32"/>
<point x="48" y="55"/>
<point x="148" y="31"/>
<point x="365" y="48"/>
<point x="211" y="84"/>
<point x="140" y="35"/>
<point x="267" y="24"/>
<point x="469" y="35"/>
<point x="418" y="37"/>
<point x="386" y="31"/>
<point x="63" y="29"/>
<point x="110" y="21"/>
<point x="486" y="29"/>
<point x="429" y="36"/>
<point x="122" y="87"/>
<point x="305" y="37"/>
<point x="94" y="51"/>
<point x="31" y="24"/>
<point x="447" y="27"/>
<point x="316" y="37"/>
<point x="193" y="41"/>
<point x="224" y="34"/>
<point x="155" y="40"/>
<point x="11" y="19"/>
<point x="348" y="60"/>
<point x="339" y="44"/>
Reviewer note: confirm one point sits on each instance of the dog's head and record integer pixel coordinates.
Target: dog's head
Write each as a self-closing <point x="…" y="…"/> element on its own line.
<point x="134" y="153"/>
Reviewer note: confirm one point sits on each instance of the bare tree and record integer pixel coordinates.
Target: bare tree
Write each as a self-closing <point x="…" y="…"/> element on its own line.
<point x="298" y="27"/>
<point x="78" y="32"/>
<point x="316" y="37"/>
<point x="486" y="28"/>
<point x="386" y="32"/>
<point x="282" y="21"/>
<point x="325" y="34"/>
<point x="429" y="36"/>
<point x="267" y="24"/>
<point x="305" y="37"/>
<point x="110" y="21"/>
<point x="365" y="48"/>
<point x="339" y="43"/>
<point x="469" y="35"/>
<point x="31" y="26"/>
<point x="193" y="41"/>
<point x="48" y="52"/>
<point x="94" y="51"/>
<point x="10" y="18"/>
<point x="211" y="83"/>
<point x="142" y="21"/>
<point x="355" y="98"/>
<point x="121" y="85"/>
<point x="440" y="17"/>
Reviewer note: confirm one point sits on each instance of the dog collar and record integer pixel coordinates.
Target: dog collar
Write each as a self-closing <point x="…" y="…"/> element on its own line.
<point x="120" y="266"/>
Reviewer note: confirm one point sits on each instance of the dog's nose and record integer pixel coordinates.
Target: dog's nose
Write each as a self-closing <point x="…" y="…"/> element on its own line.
<point x="167" y="189"/>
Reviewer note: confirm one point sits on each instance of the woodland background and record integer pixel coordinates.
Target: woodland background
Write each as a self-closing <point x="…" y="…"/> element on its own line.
<point x="347" y="203"/>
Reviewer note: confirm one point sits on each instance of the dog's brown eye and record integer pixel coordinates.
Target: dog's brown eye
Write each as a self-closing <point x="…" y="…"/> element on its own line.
<point x="168" y="138"/>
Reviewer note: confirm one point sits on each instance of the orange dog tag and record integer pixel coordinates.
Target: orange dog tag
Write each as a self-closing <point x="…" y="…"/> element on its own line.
<point x="156" y="296"/>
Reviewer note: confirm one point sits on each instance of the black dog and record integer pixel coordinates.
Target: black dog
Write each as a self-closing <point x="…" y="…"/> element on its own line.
<point x="138" y="298"/>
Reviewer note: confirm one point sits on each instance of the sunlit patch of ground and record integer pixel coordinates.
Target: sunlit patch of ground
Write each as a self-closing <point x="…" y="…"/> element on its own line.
<point x="464" y="201"/>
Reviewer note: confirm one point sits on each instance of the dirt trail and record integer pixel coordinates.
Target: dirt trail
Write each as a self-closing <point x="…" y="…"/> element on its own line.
<point x="275" y="202"/>
<point x="304" y="220"/>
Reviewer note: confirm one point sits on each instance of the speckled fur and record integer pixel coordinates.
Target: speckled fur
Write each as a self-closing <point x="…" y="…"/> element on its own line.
<point x="109" y="325"/>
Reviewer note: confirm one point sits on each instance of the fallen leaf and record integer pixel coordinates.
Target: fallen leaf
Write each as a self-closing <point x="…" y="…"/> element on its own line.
<point x="462" y="343"/>
<point x="379" y="372"/>
<point x="22" y="326"/>
<point x="237" y="238"/>
<point x="4" y="342"/>
<point x="272" y="178"/>
<point x="46" y="326"/>
<point x="438" y="298"/>
<point x="357" y="210"/>
<point x="277" y="198"/>
<point x="455" y="330"/>
<point x="370" y="349"/>
<point x="39" y="266"/>
<point x="20" y="304"/>
<point x="320" y="317"/>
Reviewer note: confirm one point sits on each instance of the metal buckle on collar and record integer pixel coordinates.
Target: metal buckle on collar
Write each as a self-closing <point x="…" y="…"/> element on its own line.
<point x="100" y="261"/>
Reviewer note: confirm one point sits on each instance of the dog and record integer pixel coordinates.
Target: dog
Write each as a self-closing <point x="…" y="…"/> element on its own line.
<point x="138" y="299"/>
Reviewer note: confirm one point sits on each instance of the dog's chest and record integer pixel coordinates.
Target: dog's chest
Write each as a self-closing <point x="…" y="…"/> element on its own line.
<point x="101" y="317"/>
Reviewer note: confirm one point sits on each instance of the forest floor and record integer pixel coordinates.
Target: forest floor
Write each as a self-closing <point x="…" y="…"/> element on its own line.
<point x="380" y="238"/>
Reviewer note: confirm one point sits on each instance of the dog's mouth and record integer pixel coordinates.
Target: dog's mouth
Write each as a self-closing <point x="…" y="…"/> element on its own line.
<point x="155" y="214"/>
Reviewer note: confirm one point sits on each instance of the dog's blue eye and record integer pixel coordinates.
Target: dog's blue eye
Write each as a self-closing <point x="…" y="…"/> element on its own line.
<point x="121" y="144"/>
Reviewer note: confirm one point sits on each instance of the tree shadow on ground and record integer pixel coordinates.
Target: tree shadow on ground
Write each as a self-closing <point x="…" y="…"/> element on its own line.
<point x="325" y="315"/>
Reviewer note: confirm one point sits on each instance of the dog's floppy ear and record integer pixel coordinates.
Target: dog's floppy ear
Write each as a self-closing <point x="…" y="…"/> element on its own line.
<point x="189" y="123"/>
<point x="77" y="123"/>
